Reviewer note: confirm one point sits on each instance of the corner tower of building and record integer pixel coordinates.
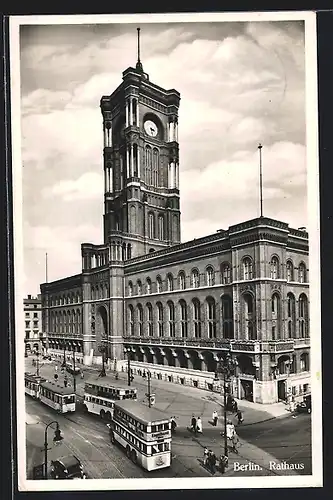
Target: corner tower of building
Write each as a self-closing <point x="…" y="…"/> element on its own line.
<point x="141" y="165"/>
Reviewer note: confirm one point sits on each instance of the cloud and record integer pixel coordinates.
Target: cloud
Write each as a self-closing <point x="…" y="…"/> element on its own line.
<point x="89" y="185"/>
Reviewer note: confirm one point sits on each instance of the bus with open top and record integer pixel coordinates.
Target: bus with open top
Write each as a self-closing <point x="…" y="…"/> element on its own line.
<point x="99" y="396"/>
<point x="59" y="398"/>
<point x="32" y="384"/>
<point x="144" y="432"/>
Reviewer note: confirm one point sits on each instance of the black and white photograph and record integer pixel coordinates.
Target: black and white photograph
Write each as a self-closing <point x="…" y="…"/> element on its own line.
<point x="166" y="251"/>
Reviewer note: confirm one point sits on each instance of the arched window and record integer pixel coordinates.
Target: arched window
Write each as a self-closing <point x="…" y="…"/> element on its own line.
<point x="303" y="314"/>
<point x="302" y="278"/>
<point x="160" y="319"/>
<point x="227" y="317"/>
<point x="150" y="320"/>
<point x="140" y="320"/>
<point x="151" y="226"/>
<point x="148" y="166"/>
<point x="276" y="316"/>
<point x="225" y="273"/>
<point x="161" y="227"/>
<point x="183" y="318"/>
<point x="139" y="287"/>
<point x="155" y="167"/>
<point x="159" y="285"/>
<point x="169" y="282"/>
<point x="171" y="318"/>
<point x="291" y="315"/>
<point x="131" y="319"/>
<point x="148" y="285"/>
<point x="211" y="317"/>
<point x="210" y="277"/>
<point x="195" y="278"/>
<point x="274" y="268"/>
<point x="181" y="280"/>
<point x="304" y="362"/>
<point x="130" y="289"/>
<point x="196" y="318"/>
<point x="247" y="268"/>
<point x="249" y="316"/>
<point x="290" y="271"/>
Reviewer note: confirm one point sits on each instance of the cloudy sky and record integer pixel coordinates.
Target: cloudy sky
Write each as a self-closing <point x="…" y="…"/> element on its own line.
<point x="240" y="84"/>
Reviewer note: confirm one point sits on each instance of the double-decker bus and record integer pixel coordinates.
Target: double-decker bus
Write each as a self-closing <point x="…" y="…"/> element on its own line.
<point x="59" y="398"/>
<point x="144" y="432"/>
<point x="32" y="384"/>
<point x="100" y="395"/>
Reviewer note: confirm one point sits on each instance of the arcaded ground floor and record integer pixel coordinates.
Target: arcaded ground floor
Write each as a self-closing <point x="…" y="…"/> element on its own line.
<point x="260" y="378"/>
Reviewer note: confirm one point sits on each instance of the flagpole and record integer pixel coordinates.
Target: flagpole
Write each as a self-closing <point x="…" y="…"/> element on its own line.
<point x="260" y="181"/>
<point x="46" y="277"/>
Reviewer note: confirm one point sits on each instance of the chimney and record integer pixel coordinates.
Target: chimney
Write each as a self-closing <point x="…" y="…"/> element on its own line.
<point x="29" y="297"/>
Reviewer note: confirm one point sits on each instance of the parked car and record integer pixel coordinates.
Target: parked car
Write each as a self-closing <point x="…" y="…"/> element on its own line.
<point x="70" y="369"/>
<point x="304" y="406"/>
<point x="68" y="467"/>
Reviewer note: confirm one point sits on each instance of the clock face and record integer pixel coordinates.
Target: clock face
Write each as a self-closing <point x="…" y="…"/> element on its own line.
<point x="151" y="128"/>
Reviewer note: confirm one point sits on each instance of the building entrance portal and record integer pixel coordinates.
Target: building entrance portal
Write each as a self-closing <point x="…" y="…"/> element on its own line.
<point x="282" y="393"/>
<point x="246" y="390"/>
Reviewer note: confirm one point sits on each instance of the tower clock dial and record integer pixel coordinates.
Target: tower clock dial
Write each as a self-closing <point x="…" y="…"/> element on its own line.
<point x="150" y="128"/>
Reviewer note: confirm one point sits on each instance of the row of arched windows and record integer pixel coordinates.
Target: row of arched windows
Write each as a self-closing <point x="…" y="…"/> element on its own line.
<point x="207" y="314"/>
<point x="100" y="291"/>
<point x="65" y="321"/>
<point x="64" y="299"/>
<point x="165" y="320"/>
<point x="169" y="285"/>
<point x="275" y="270"/>
<point x="209" y="277"/>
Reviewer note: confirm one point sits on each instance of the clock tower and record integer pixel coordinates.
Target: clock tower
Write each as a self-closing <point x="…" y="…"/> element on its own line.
<point x="141" y="164"/>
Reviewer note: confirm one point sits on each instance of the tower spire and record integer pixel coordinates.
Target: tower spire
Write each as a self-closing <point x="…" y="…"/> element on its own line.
<point x="139" y="64"/>
<point x="260" y="180"/>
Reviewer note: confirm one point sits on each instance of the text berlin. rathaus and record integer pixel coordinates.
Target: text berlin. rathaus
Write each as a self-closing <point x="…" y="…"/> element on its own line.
<point x="176" y="307"/>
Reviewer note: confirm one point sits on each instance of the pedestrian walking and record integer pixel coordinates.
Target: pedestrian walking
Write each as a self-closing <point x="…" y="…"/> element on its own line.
<point x="240" y="418"/>
<point x="82" y="374"/>
<point x="209" y="460"/>
<point x="235" y="406"/>
<point x="199" y="425"/>
<point x="223" y="463"/>
<point x="215" y="418"/>
<point x="213" y="463"/>
<point x="235" y="442"/>
<point x="173" y="424"/>
<point x="194" y="424"/>
<point x="205" y="458"/>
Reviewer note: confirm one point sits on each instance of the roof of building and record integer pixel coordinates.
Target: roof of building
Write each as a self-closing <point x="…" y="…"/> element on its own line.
<point x="141" y="412"/>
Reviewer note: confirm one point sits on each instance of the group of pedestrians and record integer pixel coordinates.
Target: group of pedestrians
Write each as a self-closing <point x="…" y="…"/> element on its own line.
<point x="196" y="425"/>
<point x="210" y="461"/>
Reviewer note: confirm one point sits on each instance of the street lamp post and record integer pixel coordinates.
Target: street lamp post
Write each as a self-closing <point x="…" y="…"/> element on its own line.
<point x="74" y="370"/>
<point x="225" y="366"/>
<point x="128" y="351"/>
<point x="64" y="360"/>
<point x="149" y="388"/>
<point x="102" y="350"/>
<point x="57" y="437"/>
<point x="37" y="363"/>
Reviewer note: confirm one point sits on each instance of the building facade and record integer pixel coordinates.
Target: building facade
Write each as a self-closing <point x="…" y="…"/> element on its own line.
<point x="178" y="307"/>
<point x="34" y="339"/>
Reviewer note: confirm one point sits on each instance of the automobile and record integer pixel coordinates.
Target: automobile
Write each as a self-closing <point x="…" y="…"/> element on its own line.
<point x="68" y="467"/>
<point x="304" y="406"/>
<point x="70" y="369"/>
